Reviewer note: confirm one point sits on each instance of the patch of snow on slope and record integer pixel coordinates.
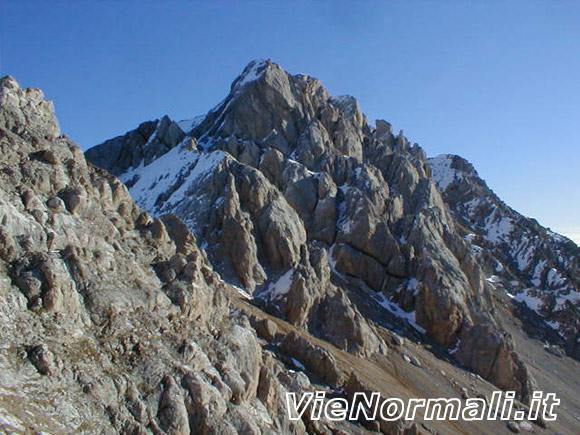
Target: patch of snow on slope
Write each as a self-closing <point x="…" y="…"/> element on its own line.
<point x="472" y="206"/>
<point x="242" y="292"/>
<point x="523" y="253"/>
<point x="538" y="270"/>
<point x="441" y="172"/>
<point x="571" y="296"/>
<point x="206" y="163"/>
<point x="498" y="229"/>
<point x="177" y="167"/>
<point x="556" y="326"/>
<point x="555" y="279"/>
<point x="533" y="302"/>
<point x="158" y="176"/>
<point x="189" y="124"/>
<point x="397" y="311"/>
<point x="252" y="74"/>
<point x="279" y="289"/>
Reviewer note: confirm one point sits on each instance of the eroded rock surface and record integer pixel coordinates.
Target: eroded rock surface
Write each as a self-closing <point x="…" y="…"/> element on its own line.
<point x="346" y="257"/>
<point x="113" y="321"/>
<point x="299" y="200"/>
<point x="538" y="268"/>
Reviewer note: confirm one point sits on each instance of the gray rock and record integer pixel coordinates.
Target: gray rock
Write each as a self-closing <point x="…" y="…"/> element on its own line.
<point x="56" y="204"/>
<point x="136" y="330"/>
<point x="172" y="412"/>
<point x="42" y="358"/>
<point x="288" y="190"/>
<point x="313" y="170"/>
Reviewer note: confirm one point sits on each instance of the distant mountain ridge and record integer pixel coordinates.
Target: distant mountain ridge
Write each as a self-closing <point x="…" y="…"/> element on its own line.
<point x="534" y="265"/>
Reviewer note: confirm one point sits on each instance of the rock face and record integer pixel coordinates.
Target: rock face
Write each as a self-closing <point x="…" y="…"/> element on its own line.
<point x="147" y="142"/>
<point x="286" y="246"/>
<point x="113" y="321"/>
<point x="322" y="217"/>
<point x="537" y="267"/>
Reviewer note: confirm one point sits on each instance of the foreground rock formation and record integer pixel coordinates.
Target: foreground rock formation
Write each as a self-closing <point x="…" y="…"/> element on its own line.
<point x="112" y="318"/>
<point x="286" y="246"/>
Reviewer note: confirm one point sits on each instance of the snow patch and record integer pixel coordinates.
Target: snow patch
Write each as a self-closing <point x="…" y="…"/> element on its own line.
<point x="523" y="253"/>
<point x="533" y="302"/>
<point x="555" y="279"/>
<point x="498" y="228"/>
<point x="398" y="312"/>
<point x="251" y="74"/>
<point x="538" y="270"/>
<point x="189" y="124"/>
<point x="278" y="289"/>
<point x="178" y="169"/>
<point x="441" y="172"/>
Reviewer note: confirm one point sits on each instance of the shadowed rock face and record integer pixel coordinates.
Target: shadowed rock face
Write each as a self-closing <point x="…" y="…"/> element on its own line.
<point x="149" y="141"/>
<point x="322" y="217"/>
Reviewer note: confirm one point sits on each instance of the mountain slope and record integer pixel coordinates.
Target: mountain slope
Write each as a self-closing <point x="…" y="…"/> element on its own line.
<point x="297" y="199"/>
<point x="539" y="268"/>
<point x="111" y="321"/>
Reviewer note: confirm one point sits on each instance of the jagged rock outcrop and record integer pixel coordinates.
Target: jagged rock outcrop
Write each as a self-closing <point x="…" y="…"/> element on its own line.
<point x="147" y="142"/>
<point x="113" y="321"/>
<point x="535" y="266"/>
<point x="298" y="199"/>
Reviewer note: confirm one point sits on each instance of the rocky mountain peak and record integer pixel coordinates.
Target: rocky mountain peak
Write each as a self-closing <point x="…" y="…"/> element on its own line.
<point x="114" y="318"/>
<point x="25" y="111"/>
<point x="267" y="72"/>
<point x="255" y="70"/>
<point x="269" y="107"/>
<point x="326" y="221"/>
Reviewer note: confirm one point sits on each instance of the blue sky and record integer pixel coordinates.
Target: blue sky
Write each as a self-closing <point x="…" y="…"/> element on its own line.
<point x="496" y="82"/>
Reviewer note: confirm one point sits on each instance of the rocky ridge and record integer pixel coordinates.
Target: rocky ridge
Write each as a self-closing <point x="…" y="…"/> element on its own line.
<point x="113" y="321"/>
<point x="538" y="268"/>
<point x="319" y="216"/>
